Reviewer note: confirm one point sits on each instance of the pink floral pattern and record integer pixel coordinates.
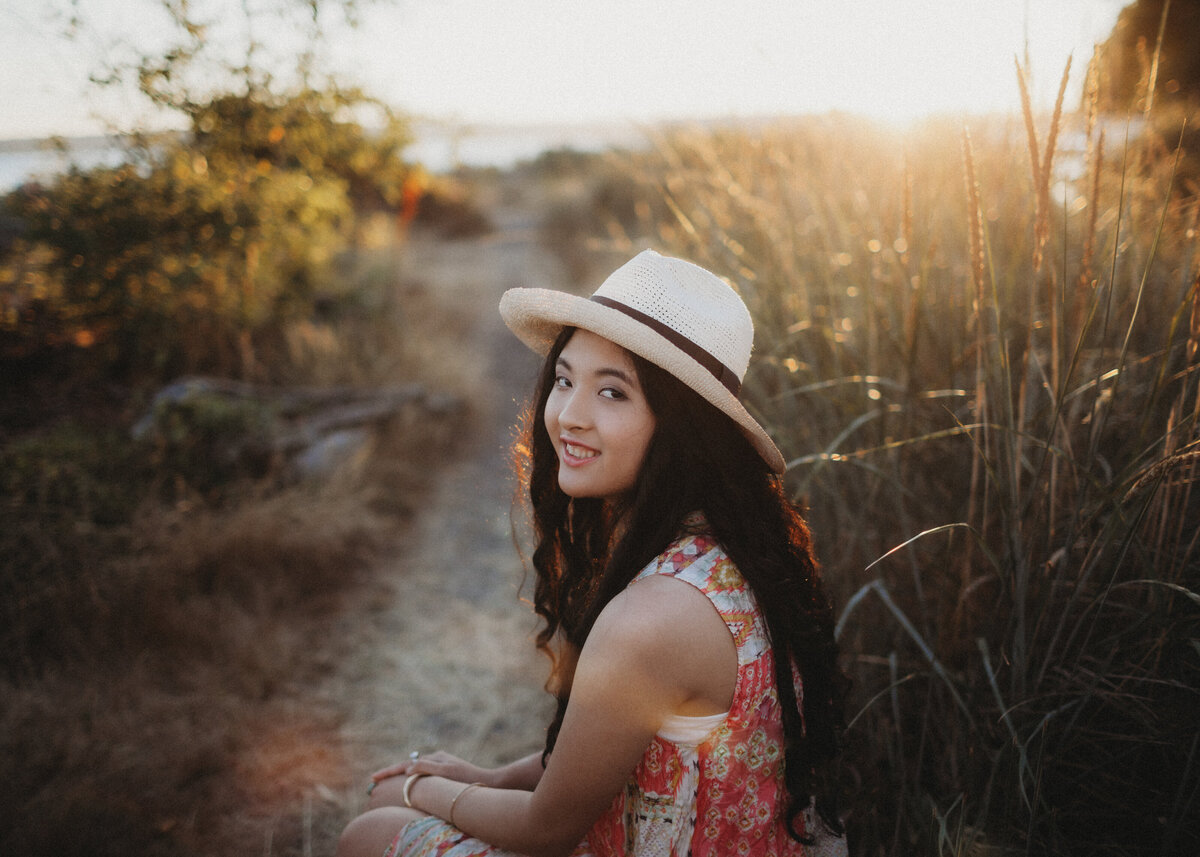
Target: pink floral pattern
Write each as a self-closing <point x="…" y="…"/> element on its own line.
<point x="723" y="796"/>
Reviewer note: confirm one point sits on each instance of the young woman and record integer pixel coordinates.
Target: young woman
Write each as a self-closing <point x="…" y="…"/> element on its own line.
<point x="699" y="698"/>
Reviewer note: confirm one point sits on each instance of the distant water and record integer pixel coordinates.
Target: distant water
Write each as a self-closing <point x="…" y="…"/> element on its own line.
<point x="25" y="160"/>
<point x="439" y="148"/>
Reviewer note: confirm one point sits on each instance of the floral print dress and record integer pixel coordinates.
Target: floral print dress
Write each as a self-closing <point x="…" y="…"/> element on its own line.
<point x="711" y="795"/>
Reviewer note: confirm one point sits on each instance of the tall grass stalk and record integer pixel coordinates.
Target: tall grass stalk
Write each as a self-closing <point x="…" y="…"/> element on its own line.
<point x="1152" y="74"/>
<point x="997" y="446"/>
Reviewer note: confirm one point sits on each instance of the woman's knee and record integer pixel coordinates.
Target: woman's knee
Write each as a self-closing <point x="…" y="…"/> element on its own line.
<point x="370" y="834"/>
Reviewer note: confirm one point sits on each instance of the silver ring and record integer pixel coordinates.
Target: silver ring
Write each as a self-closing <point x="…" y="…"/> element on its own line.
<point x="414" y="755"/>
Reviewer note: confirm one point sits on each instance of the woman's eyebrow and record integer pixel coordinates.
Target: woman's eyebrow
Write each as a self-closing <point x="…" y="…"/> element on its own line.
<point x="602" y="372"/>
<point x="619" y="374"/>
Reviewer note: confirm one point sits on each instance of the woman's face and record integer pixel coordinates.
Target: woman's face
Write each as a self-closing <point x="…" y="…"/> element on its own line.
<point x="597" y="418"/>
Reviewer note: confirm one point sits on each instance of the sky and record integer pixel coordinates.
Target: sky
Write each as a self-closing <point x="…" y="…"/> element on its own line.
<point x="634" y="61"/>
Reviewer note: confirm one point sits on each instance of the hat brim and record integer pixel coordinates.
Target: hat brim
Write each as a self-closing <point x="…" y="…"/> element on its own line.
<point x="537" y="316"/>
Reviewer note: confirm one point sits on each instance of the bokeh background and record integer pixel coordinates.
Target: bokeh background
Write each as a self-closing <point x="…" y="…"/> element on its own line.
<point x="968" y="235"/>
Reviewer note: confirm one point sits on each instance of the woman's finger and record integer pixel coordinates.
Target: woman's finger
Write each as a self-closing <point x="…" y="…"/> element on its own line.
<point x="396" y="770"/>
<point x="438" y="763"/>
<point x="414" y="765"/>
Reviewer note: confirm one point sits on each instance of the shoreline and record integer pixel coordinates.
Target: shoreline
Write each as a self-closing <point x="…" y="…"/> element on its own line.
<point x="440" y="147"/>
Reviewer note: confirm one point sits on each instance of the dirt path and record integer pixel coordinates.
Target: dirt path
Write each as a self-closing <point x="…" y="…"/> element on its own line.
<point x="444" y="656"/>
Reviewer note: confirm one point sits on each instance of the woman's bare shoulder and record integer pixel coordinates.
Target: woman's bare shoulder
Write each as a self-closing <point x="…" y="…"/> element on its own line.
<point x="675" y="632"/>
<point x="658" y="601"/>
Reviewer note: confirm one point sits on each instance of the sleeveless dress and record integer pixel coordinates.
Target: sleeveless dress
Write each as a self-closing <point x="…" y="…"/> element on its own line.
<point x="706" y="787"/>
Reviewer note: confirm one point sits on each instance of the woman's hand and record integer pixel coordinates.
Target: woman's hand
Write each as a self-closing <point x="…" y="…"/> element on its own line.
<point x="439" y="764"/>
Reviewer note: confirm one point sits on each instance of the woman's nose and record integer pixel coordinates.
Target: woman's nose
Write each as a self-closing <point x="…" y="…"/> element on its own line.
<point x="574" y="413"/>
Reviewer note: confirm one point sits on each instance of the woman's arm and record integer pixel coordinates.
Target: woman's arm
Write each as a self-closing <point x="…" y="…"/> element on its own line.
<point x="657" y="649"/>
<point x="523" y="774"/>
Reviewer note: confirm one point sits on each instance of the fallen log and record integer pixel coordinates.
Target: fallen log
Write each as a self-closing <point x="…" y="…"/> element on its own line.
<point x="310" y="429"/>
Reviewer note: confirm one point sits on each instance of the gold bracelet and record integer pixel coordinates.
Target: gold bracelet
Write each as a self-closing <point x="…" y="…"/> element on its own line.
<point x="454" y="802"/>
<point x="408" y="784"/>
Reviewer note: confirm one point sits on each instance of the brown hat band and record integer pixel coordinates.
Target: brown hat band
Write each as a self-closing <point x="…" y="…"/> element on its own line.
<point x="718" y="369"/>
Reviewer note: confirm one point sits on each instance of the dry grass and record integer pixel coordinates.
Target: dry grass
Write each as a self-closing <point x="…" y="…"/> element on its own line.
<point x="180" y="708"/>
<point x="987" y="394"/>
<point x="160" y="666"/>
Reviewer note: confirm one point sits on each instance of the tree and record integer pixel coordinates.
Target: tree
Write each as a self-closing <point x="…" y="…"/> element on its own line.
<point x="206" y="242"/>
<point x="188" y="51"/>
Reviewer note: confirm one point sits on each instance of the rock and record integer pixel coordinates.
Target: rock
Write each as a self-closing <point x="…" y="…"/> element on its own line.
<point x="331" y="453"/>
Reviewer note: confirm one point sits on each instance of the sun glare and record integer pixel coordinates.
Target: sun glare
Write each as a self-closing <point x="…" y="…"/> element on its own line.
<point x="888" y="59"/>
<point x="538" y="62"/>
<point x="961" y="57"/>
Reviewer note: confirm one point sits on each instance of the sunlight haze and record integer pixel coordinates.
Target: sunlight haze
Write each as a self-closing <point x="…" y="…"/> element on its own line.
<point x="549" y="61"/>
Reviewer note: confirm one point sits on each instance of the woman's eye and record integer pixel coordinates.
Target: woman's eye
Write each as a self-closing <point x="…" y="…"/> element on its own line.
<point x="612" y="393"/>
<point x="560" y="381"/>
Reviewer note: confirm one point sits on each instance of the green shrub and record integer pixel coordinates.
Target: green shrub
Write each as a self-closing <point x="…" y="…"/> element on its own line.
<point x="210" y="441"/>
<point x="188" y="257"/>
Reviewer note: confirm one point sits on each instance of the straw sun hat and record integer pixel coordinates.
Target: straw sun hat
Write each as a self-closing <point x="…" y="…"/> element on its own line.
<point x="673" y="313"/>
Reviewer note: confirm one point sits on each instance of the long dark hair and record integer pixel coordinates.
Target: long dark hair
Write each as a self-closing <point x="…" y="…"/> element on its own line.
<point x="698" y="460"/>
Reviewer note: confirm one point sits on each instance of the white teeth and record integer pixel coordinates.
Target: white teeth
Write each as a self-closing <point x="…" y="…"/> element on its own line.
<point x="579" y="451"/>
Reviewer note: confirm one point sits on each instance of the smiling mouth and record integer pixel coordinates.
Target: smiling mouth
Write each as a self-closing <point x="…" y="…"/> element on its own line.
<point x="576" y="451"/>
